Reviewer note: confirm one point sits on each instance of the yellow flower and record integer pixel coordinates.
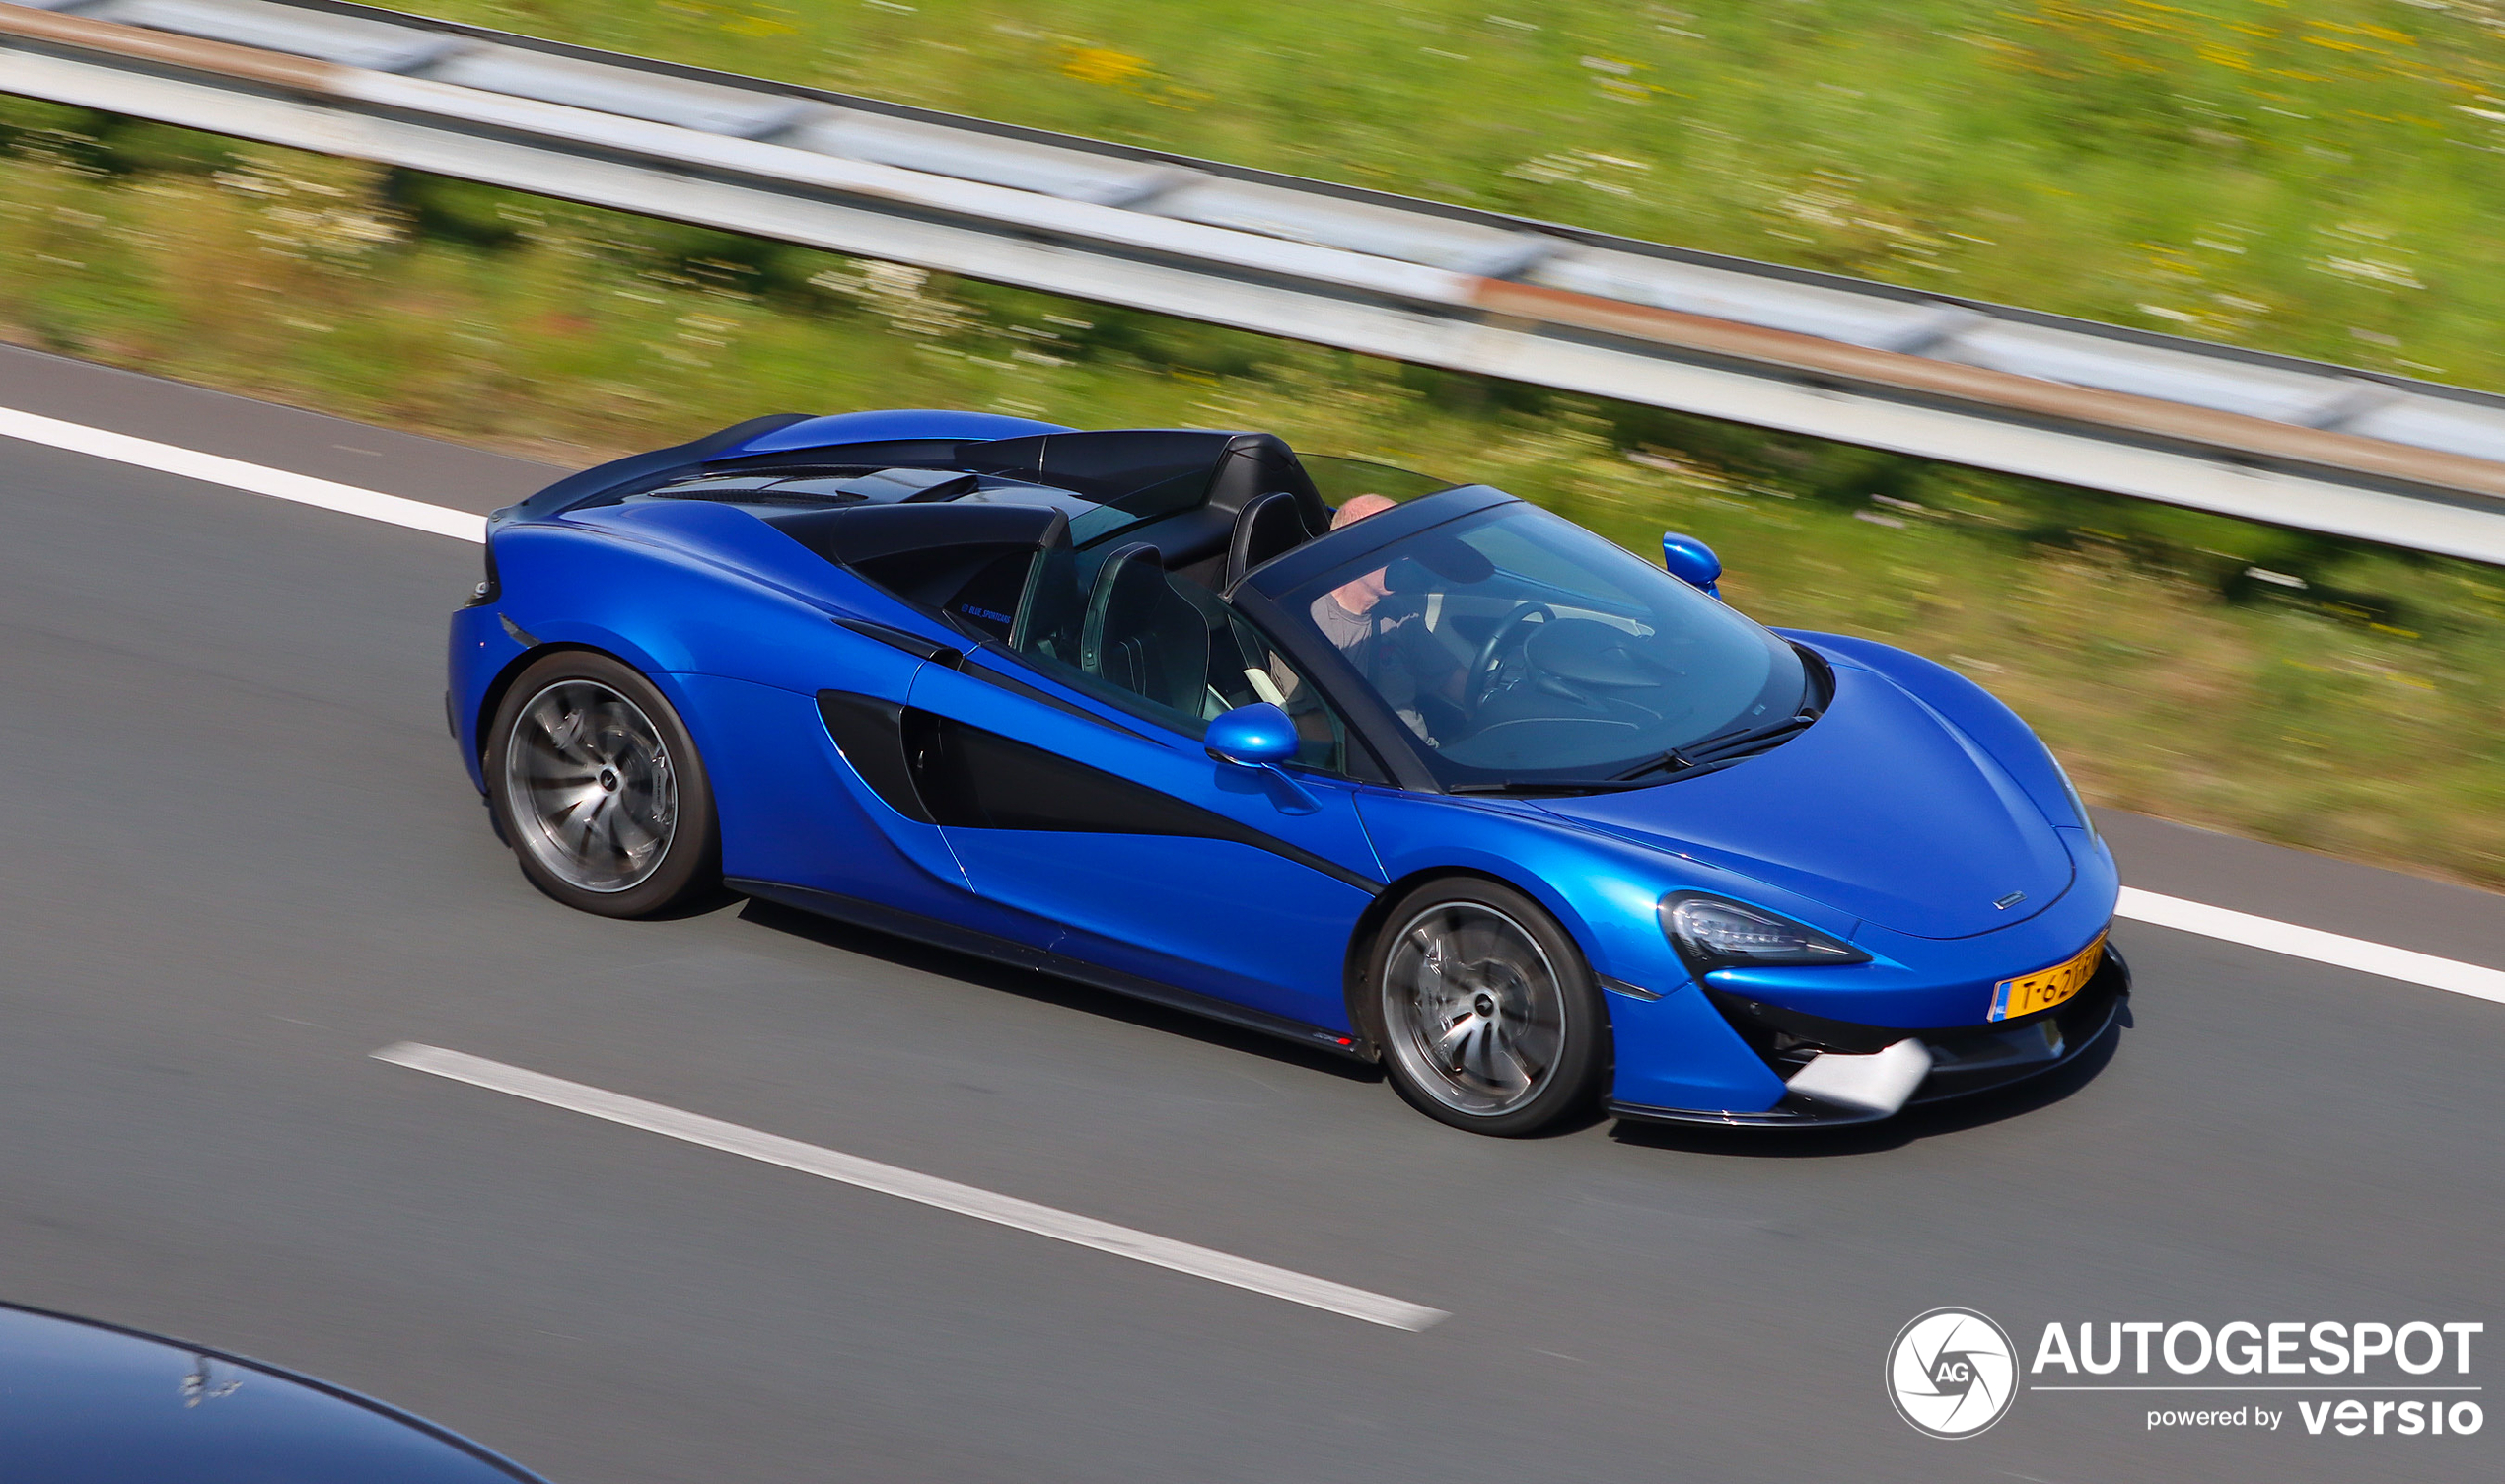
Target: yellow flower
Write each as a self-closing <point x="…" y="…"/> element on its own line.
<point x="1102" y="66"/>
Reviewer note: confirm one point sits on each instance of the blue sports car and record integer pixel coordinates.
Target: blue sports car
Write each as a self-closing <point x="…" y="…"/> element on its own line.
<point x="1414" y="771"/>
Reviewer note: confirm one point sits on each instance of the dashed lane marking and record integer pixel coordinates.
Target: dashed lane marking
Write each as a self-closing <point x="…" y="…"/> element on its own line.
<point x="911" y="1185"/>
<point x="235" y="473"/>
<point x="2312" y="942"/>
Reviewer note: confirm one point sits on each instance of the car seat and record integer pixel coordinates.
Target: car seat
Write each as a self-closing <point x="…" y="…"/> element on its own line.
<point x="1142" y="635"/>
<point x="1272" y="526"/>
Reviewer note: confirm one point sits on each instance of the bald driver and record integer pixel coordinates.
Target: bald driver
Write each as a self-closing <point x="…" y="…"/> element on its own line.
<point x="1385" y="637"/>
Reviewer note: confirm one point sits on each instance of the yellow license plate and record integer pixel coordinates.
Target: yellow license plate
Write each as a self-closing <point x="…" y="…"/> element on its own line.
<point x="2042" y="990"/>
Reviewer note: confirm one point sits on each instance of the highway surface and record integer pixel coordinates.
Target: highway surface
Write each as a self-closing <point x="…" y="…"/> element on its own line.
<point x="238" y="856"/>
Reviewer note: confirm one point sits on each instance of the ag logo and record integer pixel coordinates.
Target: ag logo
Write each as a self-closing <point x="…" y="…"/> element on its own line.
<point x="1952" y="1373"/>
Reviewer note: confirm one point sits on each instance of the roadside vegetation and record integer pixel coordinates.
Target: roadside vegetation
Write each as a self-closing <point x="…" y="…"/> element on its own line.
<point x="2292" y="689"/>
<point x="2320" y="178"/>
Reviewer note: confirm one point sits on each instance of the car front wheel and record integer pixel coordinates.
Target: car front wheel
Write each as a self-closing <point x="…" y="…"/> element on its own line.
<point x="597" y="786"/>
<point x="1485" y="1012"/>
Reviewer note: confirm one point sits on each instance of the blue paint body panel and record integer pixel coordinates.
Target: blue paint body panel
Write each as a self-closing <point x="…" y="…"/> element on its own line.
<point x="1215" y="916"/>
<point x="86" y="1402"/>
<point x="1917" y="818"/>
<point x="800" y="815"/>
<point x="1831" y="816"/>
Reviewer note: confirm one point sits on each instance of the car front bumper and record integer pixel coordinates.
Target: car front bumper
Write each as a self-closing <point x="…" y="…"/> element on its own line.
<point x="1965" y="1059"/>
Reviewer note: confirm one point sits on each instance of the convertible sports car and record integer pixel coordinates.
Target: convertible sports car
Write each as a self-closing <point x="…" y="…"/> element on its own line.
<point x="1413" y="771"/>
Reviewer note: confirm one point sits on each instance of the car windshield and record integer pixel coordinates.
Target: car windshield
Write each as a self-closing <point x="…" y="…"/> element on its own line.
<point x="1519" y="648"/>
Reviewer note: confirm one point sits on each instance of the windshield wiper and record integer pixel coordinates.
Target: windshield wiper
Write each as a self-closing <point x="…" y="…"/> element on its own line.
<point x="1693" y="760"/>
<point x="1727" y="747"/>
<point x="1533" y="788"/>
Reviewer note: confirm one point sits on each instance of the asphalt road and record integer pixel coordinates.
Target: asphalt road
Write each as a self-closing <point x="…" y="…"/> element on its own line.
<point x="236" y="855"/>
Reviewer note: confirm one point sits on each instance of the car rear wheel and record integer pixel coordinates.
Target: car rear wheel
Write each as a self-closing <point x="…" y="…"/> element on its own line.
<point x="1485" y="1012"/>
<point x="595" y="785"/>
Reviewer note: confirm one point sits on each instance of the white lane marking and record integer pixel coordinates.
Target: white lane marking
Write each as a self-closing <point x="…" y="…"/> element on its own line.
<point x="906" y="1184"/>
<point x="235" y="473"/>
<point x="2312" y="942"/>
<point x="2139" y="907"/>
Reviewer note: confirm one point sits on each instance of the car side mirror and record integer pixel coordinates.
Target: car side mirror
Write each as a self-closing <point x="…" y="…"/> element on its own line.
<point x="1259" y="735"/>
<point x="1693" y="562"/>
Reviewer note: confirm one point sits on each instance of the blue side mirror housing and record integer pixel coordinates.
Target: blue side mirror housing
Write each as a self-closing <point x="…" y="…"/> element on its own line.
<point x="1257" y="736"/>
<point x="1691" y="561"/>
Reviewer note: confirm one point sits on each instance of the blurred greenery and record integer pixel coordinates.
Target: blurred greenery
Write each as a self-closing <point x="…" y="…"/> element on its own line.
<point x="2295" y="688"/>
<point x="107" y="144"/>
<point x="2320" y="178"/>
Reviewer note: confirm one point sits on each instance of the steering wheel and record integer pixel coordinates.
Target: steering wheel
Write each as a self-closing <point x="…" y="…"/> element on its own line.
<point x="1484" y="669"/>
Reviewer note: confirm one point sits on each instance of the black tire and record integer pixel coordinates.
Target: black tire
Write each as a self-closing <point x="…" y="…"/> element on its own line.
<point x="1487" y="1017"/>
<point x="597" y="787"/>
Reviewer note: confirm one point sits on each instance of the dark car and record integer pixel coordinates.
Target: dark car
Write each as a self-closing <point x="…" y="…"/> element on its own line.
<point x="88" y="1404"/>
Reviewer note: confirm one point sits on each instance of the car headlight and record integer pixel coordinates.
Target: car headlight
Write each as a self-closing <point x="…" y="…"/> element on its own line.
<point x="1711" y="933"/>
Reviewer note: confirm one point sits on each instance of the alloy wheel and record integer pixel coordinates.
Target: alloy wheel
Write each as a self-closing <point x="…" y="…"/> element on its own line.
<point x="1473" y="1009"/>
<point x="590" y="783"/>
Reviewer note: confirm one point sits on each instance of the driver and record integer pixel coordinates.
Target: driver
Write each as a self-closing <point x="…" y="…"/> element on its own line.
<point x="1385" y="637"/>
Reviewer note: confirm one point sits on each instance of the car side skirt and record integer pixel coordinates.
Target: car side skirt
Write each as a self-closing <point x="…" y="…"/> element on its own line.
<point x="948" y="935"/>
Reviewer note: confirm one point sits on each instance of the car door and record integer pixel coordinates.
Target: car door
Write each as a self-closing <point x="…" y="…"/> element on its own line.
<point x="1075" y="798"/>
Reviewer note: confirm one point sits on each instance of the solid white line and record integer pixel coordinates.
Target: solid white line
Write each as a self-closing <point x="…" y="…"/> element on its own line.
<point x="235" y="473"/>
<point x="906" y="1184"/>
<point x="2312" y="942"/>
<point x="2137" y="905"/>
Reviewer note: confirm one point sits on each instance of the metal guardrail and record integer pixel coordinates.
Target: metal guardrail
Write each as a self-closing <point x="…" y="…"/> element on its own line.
<point x="2269" y="438"/>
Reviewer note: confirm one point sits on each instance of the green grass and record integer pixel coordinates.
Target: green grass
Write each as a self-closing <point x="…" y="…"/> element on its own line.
<point x="2362" y="715"/>
<point x="2322" y="179"/>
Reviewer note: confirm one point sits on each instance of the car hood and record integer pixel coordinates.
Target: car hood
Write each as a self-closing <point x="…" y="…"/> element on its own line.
<point x="1881" y="810"/>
